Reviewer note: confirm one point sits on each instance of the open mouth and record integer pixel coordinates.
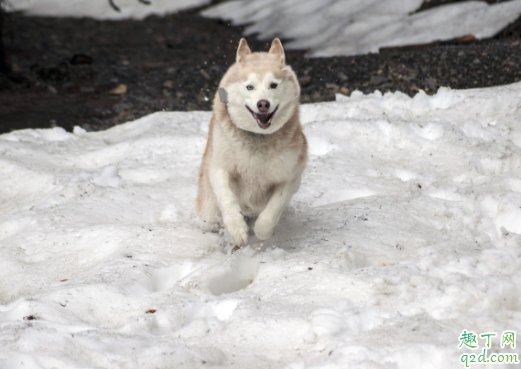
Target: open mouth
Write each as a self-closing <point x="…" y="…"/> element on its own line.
<point x="263" y="119"/>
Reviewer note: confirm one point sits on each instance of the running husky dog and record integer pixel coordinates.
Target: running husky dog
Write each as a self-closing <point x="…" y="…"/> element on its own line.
<point x="256" y="150"/>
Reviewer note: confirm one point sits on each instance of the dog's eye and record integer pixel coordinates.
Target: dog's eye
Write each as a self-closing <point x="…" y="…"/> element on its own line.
<point x="249" y="87"/>
<point x="273" y="85"/>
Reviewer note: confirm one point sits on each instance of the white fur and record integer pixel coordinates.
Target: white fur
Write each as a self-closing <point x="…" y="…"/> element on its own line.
<point x="247" y="170"/>
<point x="239" y="96"/>
<point x="253" y="195"/>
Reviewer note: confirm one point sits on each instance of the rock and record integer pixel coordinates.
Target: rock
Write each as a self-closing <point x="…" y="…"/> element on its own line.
<point x="120" y="89"/>
<point x="334" y="87"/>
<point x="304" y="80"/>
<point x="205" y="74"/>
<point x="378" y="80"/>
<point x="168" y="84"/>
<point x="126" y="115"/>
<point x="122" y="106"/>
<point x="81" y="59"/>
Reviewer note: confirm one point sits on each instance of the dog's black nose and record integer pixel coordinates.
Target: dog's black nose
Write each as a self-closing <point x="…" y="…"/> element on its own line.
<point x="263" y="106"/>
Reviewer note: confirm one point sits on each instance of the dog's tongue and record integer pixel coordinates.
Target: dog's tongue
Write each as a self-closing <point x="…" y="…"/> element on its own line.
<point x="263" y="118"/>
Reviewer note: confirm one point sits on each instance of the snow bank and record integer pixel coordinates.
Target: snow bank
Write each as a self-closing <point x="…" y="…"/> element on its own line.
<point x="350" y="27"/>
<point x="405" y="232"/>
<point x="101" y="9"/>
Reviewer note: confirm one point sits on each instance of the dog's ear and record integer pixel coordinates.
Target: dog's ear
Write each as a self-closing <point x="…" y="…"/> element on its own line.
<point x="242" y="50"/>
<point x="277" y="49"/>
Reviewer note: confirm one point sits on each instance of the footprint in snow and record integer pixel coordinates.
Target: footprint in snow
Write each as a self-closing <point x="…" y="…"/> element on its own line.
<point x="241" y="274"/>
<point x="163" y="279"/>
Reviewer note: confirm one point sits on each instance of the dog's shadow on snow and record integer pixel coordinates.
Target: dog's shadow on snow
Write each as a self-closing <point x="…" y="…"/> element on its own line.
<point x="337" y="224"/>
<point x="295" y="230"/>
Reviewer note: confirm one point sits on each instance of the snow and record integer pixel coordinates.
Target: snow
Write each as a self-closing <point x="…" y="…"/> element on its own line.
<point x="350" y="27"/>
<point x="404" y="233"/>
<point x="101" y="9"/>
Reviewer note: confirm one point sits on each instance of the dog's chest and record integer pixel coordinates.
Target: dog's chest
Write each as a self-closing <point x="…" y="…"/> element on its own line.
<point x="256" y="175"/>
<point x="264" y="166"/>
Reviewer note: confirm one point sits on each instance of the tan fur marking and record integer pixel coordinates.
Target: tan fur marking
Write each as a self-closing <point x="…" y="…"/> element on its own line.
<point x="242" y="50"/>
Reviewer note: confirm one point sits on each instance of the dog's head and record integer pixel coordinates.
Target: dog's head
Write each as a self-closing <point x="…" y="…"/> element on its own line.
<point x="262" y="91"/>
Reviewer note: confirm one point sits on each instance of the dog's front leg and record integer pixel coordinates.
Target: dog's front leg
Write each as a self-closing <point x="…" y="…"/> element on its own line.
<point x="269" y="217"/>
<point x="228" y="203"/>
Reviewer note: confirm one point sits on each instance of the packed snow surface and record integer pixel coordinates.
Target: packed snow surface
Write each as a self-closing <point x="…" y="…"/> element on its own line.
<point x="349" y="27"/>
<point x="406" y="231"/>
<point x="101" y="9"/>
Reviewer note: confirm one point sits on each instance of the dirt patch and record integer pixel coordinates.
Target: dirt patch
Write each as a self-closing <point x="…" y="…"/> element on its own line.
<point x="95" y="74"/>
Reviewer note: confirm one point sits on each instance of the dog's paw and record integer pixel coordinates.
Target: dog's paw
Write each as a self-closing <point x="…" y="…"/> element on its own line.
<point x="264" y="228"/>
<point x="237" y="228"/>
